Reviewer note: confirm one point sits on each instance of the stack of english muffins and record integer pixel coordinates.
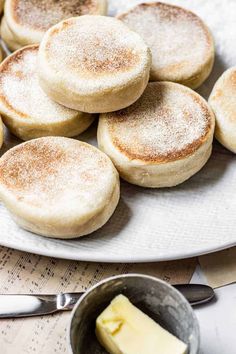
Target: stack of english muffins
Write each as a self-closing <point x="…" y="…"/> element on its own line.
<point x="137" y="72"/>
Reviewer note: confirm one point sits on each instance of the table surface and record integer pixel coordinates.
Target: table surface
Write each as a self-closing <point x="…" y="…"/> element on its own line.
<point x="217" y="320"/>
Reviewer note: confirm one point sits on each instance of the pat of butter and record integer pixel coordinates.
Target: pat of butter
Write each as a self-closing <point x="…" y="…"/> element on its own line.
<point x="123" y="329"/>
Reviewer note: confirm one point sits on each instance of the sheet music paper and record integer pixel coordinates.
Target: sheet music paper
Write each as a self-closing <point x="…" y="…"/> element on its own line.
<point x="27" y="273"/>
<point x="219" y="268"/>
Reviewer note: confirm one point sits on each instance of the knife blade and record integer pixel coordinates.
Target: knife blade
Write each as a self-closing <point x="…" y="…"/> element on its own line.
<point x="28" y="305"/>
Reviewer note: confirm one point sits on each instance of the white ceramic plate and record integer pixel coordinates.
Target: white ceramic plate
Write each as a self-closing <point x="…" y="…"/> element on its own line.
<point x="151" y="225"/>
<point x="194" y="218"/>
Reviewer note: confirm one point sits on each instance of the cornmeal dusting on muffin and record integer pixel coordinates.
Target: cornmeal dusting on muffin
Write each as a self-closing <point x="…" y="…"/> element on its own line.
<point x="168" y="122"/>
<point x="101" y="47"/>
<point x="20" y="90"/>
<point x="42" y="14"/>
<point x="55" y="171"/>
<point x="177" y="37"/>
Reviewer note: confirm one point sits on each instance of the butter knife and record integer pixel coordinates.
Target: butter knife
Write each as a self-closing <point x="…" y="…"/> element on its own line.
<point x="13" y="306"/>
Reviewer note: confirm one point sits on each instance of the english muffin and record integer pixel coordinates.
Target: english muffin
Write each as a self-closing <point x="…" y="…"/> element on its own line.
<point x="58" y="187"/>
<point x="1" y="5"/>
<point x="1" y="54"/>
<point x="28" y="20"/>
<point x="93" y="64"/>
<point x="26" y="110"/>
<point x="1" y="133"/>
<point x="223" y="102"/>
<point x="161" y="140"/>
<point x="181" y="44"/>
<point x="8" y="37"/>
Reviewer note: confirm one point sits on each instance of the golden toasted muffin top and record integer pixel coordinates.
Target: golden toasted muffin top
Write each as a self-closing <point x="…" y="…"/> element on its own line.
<point x="21" y="94"/>
<point x="169" y="122"/>
<point x="57" y="170"/>
<point x="95" y="48"/>
<point x="43" y="14"/>
<point x="180" y="42"/>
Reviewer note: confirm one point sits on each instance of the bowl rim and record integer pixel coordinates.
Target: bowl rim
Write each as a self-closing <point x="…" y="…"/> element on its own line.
<point x="130" y="275"/>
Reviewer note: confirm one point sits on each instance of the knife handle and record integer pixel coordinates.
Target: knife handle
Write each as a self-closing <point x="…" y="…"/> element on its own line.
<point x="196" y="294"/>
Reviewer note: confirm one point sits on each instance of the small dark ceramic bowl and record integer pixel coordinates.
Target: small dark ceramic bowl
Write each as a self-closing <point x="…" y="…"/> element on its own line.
<point x="159" y="300"/>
